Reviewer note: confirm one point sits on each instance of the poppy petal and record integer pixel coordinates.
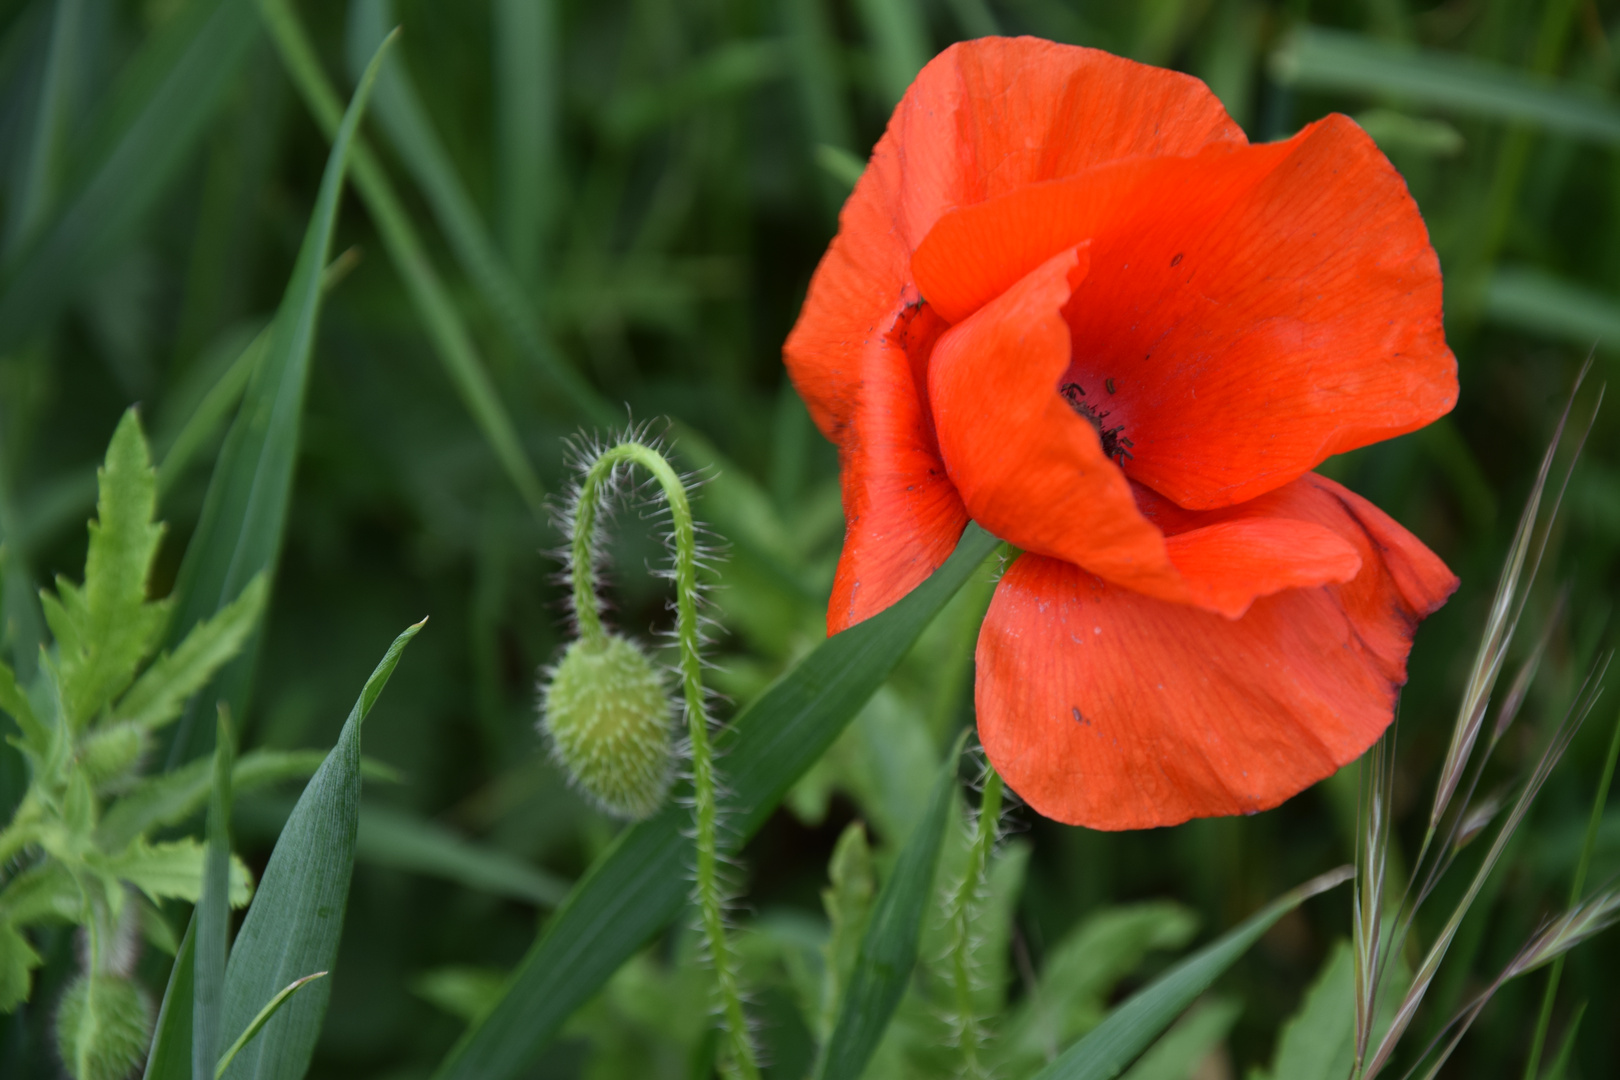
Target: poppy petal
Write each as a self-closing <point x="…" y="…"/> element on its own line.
<point x="1106" y="708"/>
<point x="902" y="516"/>
<point x="1254" y="309"/>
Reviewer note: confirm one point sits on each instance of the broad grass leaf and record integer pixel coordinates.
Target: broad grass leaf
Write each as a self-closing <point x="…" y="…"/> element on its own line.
<point x="1316" y="58"/>
<point x="244" y="515"/>
<point x="156" y="113"/>
<point x="639" y="884"/>
<point x="169" y="798"/>
<point x="889" y="947"/>
<point x="212" y="913"/>
<point x="1190" y="1041"/>
<point x="170" y="1055"/>
<point x="1132" y="1026"/>
<point x="293" y="927"/>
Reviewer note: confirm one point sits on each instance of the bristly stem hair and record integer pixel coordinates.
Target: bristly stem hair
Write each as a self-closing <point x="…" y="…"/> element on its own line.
<point x="963" y="907"/>
<point x="740" y="1057"/>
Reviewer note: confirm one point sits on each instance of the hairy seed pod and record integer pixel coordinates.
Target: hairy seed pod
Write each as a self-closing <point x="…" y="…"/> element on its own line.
<point x="103" y="1024"/>
<point x="606" y="712"/>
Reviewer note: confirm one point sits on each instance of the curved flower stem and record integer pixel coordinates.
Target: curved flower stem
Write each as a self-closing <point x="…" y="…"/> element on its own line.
<point x="962" y="908"/>
<point x="705" y="801"/>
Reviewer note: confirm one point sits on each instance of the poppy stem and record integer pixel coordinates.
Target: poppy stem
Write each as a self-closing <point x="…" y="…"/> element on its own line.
<point x="741" y="1060"/>
<point x="961" y="913"/>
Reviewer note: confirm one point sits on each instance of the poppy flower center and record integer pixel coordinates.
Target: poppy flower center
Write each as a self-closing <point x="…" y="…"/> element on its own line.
<point x="1115" y="445"/>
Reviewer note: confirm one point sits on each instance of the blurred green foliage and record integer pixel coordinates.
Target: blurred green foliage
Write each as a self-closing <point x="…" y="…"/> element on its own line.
<point x="569" y="214"/>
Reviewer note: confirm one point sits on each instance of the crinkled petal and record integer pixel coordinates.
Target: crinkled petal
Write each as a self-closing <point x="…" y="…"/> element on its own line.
<point x="1032" y="470"/>
<point x="1106" y="708"/>
<point x="1254" y="309"/>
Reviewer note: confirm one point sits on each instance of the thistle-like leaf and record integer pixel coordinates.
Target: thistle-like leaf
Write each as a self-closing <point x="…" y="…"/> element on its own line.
<point x="17" y="962"/>
<point x="106" y="628"/>
<point x="161" y="692"/>
<point x="172" y="870"/>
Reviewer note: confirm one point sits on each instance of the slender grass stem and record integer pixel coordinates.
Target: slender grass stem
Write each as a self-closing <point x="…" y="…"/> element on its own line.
<point x="1544" y="1019"/>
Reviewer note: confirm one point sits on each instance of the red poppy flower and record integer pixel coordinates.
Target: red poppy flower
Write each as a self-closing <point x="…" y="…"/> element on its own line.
<point x="1070" y="301"/>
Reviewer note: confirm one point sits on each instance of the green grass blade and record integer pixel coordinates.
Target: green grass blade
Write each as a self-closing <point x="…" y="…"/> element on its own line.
<point x="640" y="883"/>
<point x="41" y="172"/>
<point x="526" y="113"/>
<point x="245" y="512"/>
<point x="158" y="112"/>
<point x="1130" y="1028"/>
<point x="170" y="1055"/>
<point x="293" y="926"/>
<point x="1533" y="300"/>
<point x="213" y="912"/>
<point x="451" y="338"/>
<point x="400" y="111"/>
<point x="889" y="948"/>
<point x="1560" y="1066"/>
<point x="899" y="42"/>
<point x="262" y="1019"/>
<point x="1314" y="58"/>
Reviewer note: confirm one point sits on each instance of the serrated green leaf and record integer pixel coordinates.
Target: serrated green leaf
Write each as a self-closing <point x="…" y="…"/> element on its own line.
<point x="44" y="891"/>
<point x="163" y="688"/>
<point x="172" y="869"/>
<point x="109" y="625"/>
<point x="157" y="111"/>
<point x="244" y="514"/>
<point x="889" y="947"/>
<point x="17" y="962"/>
<point x="170" y="1055"/>
<point x="1132" y="1026"/>
<point x="848" y="902"/>
<point x="1319" y="1041"/>
<point x="1081" y="972"/>
<point x="639" y="884"/>
<point x="36" y="738"/>
<point x="293" y="927"/>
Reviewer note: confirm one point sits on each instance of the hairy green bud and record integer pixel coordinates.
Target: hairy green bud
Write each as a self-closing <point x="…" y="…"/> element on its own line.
<point x="103" y="1025"/>
<point x="606" y="713"/>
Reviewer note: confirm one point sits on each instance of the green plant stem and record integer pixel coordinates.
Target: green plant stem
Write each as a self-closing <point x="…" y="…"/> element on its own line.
<point x="742" y="1061"/>
<point x="964" y="906"/>
<point x="1544" y="1020"/>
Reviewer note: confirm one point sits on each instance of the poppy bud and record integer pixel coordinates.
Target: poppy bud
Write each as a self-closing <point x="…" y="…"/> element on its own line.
<point x="606" y="712"/>
<point x="110" y="755"/>
<point x="103" y="1025"/>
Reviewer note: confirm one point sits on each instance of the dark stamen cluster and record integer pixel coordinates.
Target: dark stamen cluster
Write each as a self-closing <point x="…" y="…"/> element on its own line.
<point x="1114" y="443"/>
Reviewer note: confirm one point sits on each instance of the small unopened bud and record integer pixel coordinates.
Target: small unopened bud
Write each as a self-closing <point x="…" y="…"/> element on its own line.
<point x="103" y="1025"/>
<point x="109" y="756"/>
<point x="606" y="712"/>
